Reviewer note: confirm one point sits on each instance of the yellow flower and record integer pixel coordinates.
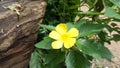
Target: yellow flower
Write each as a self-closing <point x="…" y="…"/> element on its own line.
<point x="63" y="37"/>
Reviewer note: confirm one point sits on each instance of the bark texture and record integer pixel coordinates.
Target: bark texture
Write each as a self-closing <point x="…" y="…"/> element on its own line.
<point x="18" y="33"/>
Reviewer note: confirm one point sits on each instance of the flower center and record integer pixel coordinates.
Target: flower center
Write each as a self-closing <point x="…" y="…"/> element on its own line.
<point x="64" y="37"/>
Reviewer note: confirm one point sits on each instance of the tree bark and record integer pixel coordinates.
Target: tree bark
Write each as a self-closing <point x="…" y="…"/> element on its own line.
<point x="19" y="33"/>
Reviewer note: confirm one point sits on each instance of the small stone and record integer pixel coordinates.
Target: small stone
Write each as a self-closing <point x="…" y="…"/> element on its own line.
<point x="18" y="26"/>
<point x="2" y="31"/>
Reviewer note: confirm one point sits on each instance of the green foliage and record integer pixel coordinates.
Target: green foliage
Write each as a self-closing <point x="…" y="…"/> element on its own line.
<point x="116" y="2"/>
<point x="59" y="11"/>
<point x="75" y="59"/>
<point x="35" y="61"/>
<point x="94" y="49"/>
<point x="49" y="27"/>
<point x="89" y="28"/>
<point x="112" y="13"/>
<point x="94" y="32"/>
<point x="116" y="37"/>
<point x="44" y="44"/>
<point x="53" y="58"/>
<point x="90" y="13"/>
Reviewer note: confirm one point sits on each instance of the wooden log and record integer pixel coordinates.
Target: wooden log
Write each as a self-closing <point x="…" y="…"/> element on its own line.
<point x="17" y="37"/>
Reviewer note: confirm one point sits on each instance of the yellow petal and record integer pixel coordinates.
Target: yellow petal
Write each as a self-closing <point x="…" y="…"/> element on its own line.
<point x="57" y="44"/>
<point x="69" y="43"/>
<point x="61" y="28"/>
<point x="54" y="35"/>
<point x="73" y="32"/>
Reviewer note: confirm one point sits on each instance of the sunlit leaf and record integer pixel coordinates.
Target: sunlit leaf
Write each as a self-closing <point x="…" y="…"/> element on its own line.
<point x="49" y="27"/>
<point x="88" y="28"/>
<point x="89" y="13"/>
<point x="111" y="13"/>
<point x="94" y="49"/>
<point x="116" y="2"/>
<point x="45" y="43"/>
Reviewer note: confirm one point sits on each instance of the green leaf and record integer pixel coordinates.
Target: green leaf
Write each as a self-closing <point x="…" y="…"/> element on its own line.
<point x="94" y="49"/>
<point x="49" y="27"/>
<point x="35" y="61"/>
<point x="89" y="28"/>
<point x="75" y="59"/>
<point x="111" y="13"/>
<point x="70" y="25"/>
<point x="89" y="13"/>
<point x="53" y="58"/>
<point x="79" y="23"/>
<point x="74" y="7"/>
<point x="75" y="1"/>
<point x="116" y="2"/>
<point x="45" y="43"/>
